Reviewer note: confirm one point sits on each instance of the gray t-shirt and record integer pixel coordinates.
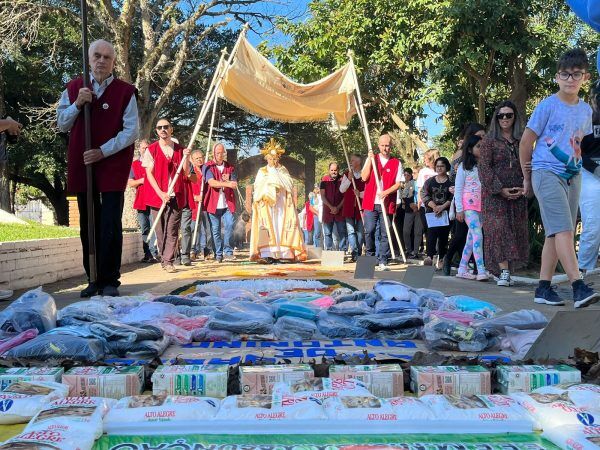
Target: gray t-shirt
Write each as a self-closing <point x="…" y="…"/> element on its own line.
<point x="560" y="128"/>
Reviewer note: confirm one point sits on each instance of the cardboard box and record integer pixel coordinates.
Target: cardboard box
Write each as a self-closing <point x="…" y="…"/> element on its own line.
<point x="384" y="380"/>
<point x="450" y="380"/>
<point x="109" y="382"/>
<point x="528" y="378"/>
<point x="257" y="380"/>
<point x="209" y="380"/>
<point x="14" y="374"/>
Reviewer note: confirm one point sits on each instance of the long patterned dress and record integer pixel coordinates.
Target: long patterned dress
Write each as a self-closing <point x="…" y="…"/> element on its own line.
<point x="505" y="227"/>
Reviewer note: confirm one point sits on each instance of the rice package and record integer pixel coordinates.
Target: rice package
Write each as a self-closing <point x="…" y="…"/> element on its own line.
<point x="80" y="413"/>
<point x="57" y="437"/>
<point x="161" y="409"/>
<point x="410" y="408"/>
<point x="10" y="375"/>
<point x="528" y="378"/>
<point x="322" y="388"/>
<point x="583" y="395"/>
<point x="259" y="380"/>
<point x="555" y="410"/>
<point x="383" y="380"/>
<point x="22" y="400"/>
<point x="476" y="408"/>
<point x="271" y="407"/>
<point x="107" y="382"/>
<point x="575" y="437"/>
<point x="209" y="380"/>
<point x="450" y="380"/>
<point x="363" y="408"/>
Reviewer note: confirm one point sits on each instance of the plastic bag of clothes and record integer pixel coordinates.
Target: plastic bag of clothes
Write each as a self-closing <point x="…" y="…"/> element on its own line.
<point x="354" y="308"/>
<point x="518" y="342"/>
<point x="389" y="306"/>
<point x="82" y="312"/>
<point x="59" y="347"/>
<point x="33" y="309"/>
<point x="479" y="308"/>
<point x="370" y="297"/>
<point x="430" y="298"/>
<point x="177" y="334"/>
<point x="402" y="334"/>
<point x="187" y="323"/>
<point x="441" y="334"/>
<point x="390" y="290"/>
<point x="179" y="300"/>
<point x="16" y="339"/>
<point x="147" y="348"/>
<point x="394" y="321"/>
<point x="208" y="335"/>
<point x="341" y="292"/>
<point x="296" y="309"/>
<point x="239" y="294"/>
<point x="335" y="326"/>
<point x="243" y="318"/>
<point x="524" y="319"/>
<point x="24" y="399"/>
<point x="295" y="328"/>
<point x="267" y="408"/>
<point x="148" y="311"/>
<point x="193" y="311"/>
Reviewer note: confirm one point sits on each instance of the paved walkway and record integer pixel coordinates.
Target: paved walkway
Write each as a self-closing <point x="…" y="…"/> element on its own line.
<point x="139" y="278"/>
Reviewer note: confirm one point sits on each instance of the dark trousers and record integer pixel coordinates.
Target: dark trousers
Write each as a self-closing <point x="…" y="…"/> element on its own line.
<point x="399" y="220"/>
<point x="145" y="225"/>
<point x="108" y="209"/>
<point x="372" y="219"/>
<point x="437" y="236"/>
<point x="167" y="231"/>
<point x="458" y="241"/>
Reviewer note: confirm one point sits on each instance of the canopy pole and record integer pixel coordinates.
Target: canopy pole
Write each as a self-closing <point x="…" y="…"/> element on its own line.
<point x="365" y="127"/>
<point x="215" y="90"/>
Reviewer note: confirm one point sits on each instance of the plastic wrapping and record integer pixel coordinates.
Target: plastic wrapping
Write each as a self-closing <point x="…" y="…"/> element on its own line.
<point x="402" y="334"/>
<point x="471" y="305"/>
<point x="148" y="348"/>
<point x="574" y="437"/>
<point x="582" y="395"/>
<point x="267" y="407"/>
<point x="24" y="399"/>
<point x="450" y="335"/>
<point x="177" y="334"/>
<point x="524" y="319"/>
<point x="148" y="311"/>
<point x="519" y="341"/>
<point x="341" y="292"/>
<point x="86" y="311"/>
<point x="208" y="335"/>
<point x="34" y="309"/>
<point x="187" y="323"/>
<point x="353" y="308"/>
<point x="59" y="347"/>
<point x="393" y="291"/>
<point x="179" y="300"/>
<point x="395" y="321"/>
<point x="455" y="316"/>
<point x="431" y="298"/>
<point x="243" y="317"/>
<point x="193" y="311"/>
<point x="364" y="408"/>
<point x="17" y="339"/>
<point x="323" y="388"/>
<point x="293" y="309"/>
<point x="389" y="306"/>
<point x="370" y="297"/>
<point x="238" y="294"/>
<point x="335" y="326"/>
<point x="295" y="328"/>
<point x="67" y="437"/>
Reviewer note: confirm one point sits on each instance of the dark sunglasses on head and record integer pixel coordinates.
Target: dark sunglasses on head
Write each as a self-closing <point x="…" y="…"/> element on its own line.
<point x="163" y="127"/>
<point x="501" y="116"/>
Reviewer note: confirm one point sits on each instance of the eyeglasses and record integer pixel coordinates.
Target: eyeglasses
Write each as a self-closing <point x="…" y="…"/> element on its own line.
<point x="501" y="116"/>
<point x="575" y="75"/>
<point x="163" y="127"/>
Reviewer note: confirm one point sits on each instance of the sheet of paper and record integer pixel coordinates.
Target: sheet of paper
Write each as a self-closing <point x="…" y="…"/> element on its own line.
<point x="437" y="221"/>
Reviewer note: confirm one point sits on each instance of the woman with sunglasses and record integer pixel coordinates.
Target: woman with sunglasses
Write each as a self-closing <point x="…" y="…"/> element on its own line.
<point x="504" y="207"/>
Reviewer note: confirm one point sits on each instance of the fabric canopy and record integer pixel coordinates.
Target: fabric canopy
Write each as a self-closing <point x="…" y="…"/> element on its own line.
<point x="257" y="86"/>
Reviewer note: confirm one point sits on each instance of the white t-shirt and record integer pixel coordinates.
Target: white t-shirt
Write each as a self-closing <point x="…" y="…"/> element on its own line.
<point x="424" y="174"/>
<point x="222" y="200"/>
<point x="398" y="179"/>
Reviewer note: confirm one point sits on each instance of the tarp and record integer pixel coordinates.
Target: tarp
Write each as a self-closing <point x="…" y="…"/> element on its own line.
<point x="255" y="85"/>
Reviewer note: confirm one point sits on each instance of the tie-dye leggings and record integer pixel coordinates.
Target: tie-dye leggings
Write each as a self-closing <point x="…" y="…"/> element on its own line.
<point x="474" y="244"/>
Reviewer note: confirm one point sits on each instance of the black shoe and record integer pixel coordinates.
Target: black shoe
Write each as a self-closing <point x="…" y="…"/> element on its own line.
<point x="219" y="259"/>
<point x="110" y="291"/>
<point x="446" y="269"/>
<point x="584" y="295"/>
<point x="548" y="296"/>
<point x="90" y="290"/>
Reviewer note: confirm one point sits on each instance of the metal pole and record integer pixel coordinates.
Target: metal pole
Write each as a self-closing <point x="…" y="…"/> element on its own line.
<point x="89" y="171"/>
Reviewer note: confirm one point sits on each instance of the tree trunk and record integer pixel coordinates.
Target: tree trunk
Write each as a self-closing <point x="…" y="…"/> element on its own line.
<point x="481" y="102"/>
<point x="309" y="171"/>
<point x="5" y="203"/>
<point x="60" y="206"/>
<point x="518" y="83"/>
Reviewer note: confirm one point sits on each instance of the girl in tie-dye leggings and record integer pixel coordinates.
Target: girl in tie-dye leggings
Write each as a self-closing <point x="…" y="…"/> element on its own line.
<point x="467" y="196"/>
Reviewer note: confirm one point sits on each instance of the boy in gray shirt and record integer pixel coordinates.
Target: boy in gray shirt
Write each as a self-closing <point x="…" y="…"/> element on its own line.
<point x="557" y="127"/>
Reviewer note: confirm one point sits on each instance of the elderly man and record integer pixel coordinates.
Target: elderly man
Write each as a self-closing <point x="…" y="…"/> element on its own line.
<point x="220" y="201"/>
<point x="351" y="210"/>
<point x="114" y="129"/>
<point x="378" y="199"/>
<point x="333" y="200"/>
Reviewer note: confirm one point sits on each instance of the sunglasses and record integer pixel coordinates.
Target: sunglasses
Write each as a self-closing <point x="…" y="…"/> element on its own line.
<point x="163" y="127"/>
<point x="501" y="116"/>
<point x="575" y="75"/>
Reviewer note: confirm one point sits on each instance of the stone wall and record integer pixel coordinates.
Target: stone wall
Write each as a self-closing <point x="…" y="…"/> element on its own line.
<point x="29" y="264"/>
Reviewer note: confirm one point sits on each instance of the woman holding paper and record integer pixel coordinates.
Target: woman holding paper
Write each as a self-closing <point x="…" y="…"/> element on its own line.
<point x="437" y="197"/>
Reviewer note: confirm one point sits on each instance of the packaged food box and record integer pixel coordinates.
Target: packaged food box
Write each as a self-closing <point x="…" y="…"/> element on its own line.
<point x="208" y="380"/>
<point x="259" y="380"/>
<point x="14" y="374"/>
<point x="450" y="380"/>
<point x="108" y="382"/>
<point x="528" y="378"/>
<point x="384" y="380"/>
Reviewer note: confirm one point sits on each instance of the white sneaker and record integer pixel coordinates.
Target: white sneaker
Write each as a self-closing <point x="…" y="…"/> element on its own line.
<point x="382" y="268"/>
<point x="505" y="279"/>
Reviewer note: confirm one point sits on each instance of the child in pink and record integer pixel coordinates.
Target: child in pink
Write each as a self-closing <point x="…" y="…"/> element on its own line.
<point x="468" y="208"/>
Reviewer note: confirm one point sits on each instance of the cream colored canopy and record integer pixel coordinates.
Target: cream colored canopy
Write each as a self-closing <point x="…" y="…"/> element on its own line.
<point x="255" y="85"/>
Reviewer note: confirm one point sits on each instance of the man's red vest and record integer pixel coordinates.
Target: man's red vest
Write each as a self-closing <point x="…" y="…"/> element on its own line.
<point x="334" y="197"/>
<point x="165" y="168"/>
<point x="110" y="174"/>
<point x="195" y="190"/>
<point x="350" y="210"/>
<point x="140" y="192"/>
<point x="310" y="217"/>
<point x="212" y="194"/>
<point x="388" y="175"/>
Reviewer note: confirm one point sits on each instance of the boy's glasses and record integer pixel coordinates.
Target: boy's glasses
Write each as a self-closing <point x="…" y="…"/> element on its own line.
<point x="501" y="116"/>
<point x="575" y="75"/>
<point x="163" y="127"/>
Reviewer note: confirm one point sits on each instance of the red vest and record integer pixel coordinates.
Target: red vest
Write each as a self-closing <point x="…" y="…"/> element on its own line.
<point x="164" y="169"/>
<point x="195" y="190"/>
<point x="350" y="210"/>
<point x="310" y="217"/>
<point x="388" y="175"/>
<point x="334" y="197"/>
<point x="139" y="172"/>
<point x="110" y="174"/>
<point x="212" y="194"/>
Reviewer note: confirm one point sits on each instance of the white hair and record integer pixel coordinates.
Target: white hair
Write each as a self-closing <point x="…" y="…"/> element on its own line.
<point x="97" y="42"/>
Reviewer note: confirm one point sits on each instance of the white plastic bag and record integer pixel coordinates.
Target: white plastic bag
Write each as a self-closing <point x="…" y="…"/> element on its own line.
<point x="33" y="309"/>
<point x="323" y="388"/>
<point x="583" y="395"/>
<point x="22" y="400"/>
<point x="58" y="437"/>
<point x="574" y="437"/>
<point x="410" y="408"/>
<point x="363" y="408"/>
<point x="267" y="407"/>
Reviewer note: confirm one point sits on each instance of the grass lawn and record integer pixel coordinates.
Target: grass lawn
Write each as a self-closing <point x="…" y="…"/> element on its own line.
<point x="14" y="232"/>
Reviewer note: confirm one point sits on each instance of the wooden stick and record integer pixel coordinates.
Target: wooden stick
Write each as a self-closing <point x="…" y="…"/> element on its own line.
<point x="350" y="173"/>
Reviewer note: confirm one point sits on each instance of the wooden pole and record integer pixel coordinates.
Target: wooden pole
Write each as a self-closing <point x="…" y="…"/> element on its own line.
<point x="350" y="173"/>
<point x="89" y="170"/>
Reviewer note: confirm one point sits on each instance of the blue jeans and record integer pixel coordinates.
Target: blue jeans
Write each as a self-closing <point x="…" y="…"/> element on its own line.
<point x="145" y="225"/>
<point x="355" y="231"/>
<point x="328" y="231"/>
<point x="373" y="220"/>
<point x="317" y="233"/>
<point x="222" y="241"/>
<point x="203" y="244"/>
<point x="306" y="236"/>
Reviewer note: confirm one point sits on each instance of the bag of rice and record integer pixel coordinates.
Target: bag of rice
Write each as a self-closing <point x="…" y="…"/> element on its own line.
<point x="270" y="407"/>
<point x="84" y="413"/>
<point x="56" y="437"/>
<point x="22" y="400"/>
<point x="364" y="408"/>
<point x="323" y="388"/>
<point x="582" y="395"/>
<point x="410" y="409"/>
<point x="575" y="437"/>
